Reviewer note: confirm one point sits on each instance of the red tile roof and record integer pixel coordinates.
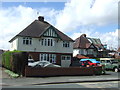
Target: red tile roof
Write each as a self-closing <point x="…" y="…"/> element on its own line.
<point x="119" y="49"/>
<point x="81" y="56"/>
<point x="82" y="42"/>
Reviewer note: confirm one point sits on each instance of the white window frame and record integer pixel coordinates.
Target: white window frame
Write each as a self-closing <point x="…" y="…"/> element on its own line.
<point x="48" y="57"/>
<point x="66" y="44"/>
<point x="65" y="57"/>
<point x="48" y="42"/>
<point x="27" y="41"/>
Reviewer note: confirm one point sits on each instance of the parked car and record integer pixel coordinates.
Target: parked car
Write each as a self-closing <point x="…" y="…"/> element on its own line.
<point x="90" y="62"/>
<point x="111" y="65"/>
<point x="42" y="64"/>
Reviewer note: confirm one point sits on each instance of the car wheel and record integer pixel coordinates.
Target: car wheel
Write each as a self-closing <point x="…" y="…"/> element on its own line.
<point x="115" y="69"/>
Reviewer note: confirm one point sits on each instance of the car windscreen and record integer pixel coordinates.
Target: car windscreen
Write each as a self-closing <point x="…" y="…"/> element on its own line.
<point x="114" y="61"/>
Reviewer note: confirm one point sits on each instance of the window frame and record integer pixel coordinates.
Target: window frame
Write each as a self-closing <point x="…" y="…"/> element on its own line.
<point x="66" y="57"/>
<point x="66" y="44"/>
<point x="27" y="41"/>
<point x="48" y="57"/>
<point x="48" y="42"/>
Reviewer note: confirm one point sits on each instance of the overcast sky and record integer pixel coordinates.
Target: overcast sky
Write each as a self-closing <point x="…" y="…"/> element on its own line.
<point x="95" y="18"/>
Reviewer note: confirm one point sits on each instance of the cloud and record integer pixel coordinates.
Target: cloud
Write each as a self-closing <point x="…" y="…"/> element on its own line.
<point x="14" y="19"/>
<point x="110" y="38"/>
<point x="78" y="12"/>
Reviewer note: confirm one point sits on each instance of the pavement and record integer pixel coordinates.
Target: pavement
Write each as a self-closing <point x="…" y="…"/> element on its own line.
<point x="23" y="81"/>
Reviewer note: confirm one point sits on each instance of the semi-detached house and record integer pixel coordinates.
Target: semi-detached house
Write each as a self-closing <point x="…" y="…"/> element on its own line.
<point x="44" y="42"/>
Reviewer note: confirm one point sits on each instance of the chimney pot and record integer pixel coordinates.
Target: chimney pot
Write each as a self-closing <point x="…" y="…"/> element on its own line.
<point x="41" y="18"/>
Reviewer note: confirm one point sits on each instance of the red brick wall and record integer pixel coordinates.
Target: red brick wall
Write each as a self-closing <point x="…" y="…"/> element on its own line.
<point x="38" y="71"/>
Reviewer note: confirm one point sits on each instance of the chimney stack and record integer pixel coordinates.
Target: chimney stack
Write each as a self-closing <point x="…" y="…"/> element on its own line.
<point x="41" y="18"/>
<point x="84" y="35"/>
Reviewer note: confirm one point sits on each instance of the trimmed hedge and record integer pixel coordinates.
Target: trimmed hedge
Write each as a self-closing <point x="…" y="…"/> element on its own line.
<point x="6" y="58"/>
<point x="15" y="61"/>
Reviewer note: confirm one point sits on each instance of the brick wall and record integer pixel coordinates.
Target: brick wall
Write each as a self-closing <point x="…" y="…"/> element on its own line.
<point x="38" y="71"/>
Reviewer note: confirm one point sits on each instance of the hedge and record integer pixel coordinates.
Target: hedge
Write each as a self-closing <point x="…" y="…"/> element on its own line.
<point x="6" y="58"/>
<point x="15" y="61"/>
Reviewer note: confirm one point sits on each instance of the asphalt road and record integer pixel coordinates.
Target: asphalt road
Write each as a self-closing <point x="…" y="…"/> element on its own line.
<point x="112" y="84"/>
<point x="28" y="82"/>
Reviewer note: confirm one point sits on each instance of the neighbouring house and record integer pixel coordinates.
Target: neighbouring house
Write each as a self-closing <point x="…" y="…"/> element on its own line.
<point x="44" y="42"/>
<point x="90" y="47"/>
<point x="117" y="55"/>
<point x="83" y="46"/>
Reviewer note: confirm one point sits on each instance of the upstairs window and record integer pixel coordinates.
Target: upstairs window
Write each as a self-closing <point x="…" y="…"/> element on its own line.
<point x="27" y="41"/>
<point x="47" y="42"/>
<point x="66" y="44"/>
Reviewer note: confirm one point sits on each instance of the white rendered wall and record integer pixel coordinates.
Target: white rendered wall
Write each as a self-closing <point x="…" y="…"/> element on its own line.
<point x="37" y="47"/>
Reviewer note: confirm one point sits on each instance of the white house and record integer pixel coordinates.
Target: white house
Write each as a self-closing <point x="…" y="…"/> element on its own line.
<point x="44" y="42"/>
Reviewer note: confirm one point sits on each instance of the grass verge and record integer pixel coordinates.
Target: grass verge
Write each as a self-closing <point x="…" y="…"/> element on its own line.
<point x="12" y="74"/>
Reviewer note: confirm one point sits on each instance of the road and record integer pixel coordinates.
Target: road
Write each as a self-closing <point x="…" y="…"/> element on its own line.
<point x="41" y="82"/>
<point x="112" y="84"/>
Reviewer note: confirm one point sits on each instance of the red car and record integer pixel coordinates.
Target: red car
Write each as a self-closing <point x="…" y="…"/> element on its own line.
<point x="90" y="62"/>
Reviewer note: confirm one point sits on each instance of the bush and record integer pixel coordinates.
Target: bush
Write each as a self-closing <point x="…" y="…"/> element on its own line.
<point x="7" y="59"/>
<point x="15" y="61"/>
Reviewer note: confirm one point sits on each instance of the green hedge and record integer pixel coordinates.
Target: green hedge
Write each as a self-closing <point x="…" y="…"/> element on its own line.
<point x="7" y="58"/>
<point x="15" y="61"/>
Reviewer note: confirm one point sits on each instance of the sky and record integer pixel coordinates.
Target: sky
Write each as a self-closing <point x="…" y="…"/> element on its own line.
<point x="95" y="18"/>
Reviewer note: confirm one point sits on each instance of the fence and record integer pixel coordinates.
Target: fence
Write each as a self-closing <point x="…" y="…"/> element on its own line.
<point x="48" y="71"/>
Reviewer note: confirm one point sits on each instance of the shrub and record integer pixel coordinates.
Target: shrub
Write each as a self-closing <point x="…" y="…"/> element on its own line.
<point x="7" y="59"/>
<point x="15" y="61"/>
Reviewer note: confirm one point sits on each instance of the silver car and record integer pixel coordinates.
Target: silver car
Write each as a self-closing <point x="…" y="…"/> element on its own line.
<point x="42" y="64"/>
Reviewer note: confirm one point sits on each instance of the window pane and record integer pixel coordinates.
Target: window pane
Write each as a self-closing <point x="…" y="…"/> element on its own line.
<point x="27" y="42"/>
<point x="41" y="57"/>
<point x="30" y="42"/>
<point x="68" y="57"/>
<point x="45" y="42"/>
<point x="23" y="41"/>
<point x="48" y="42"/>
<point x="51" y="42"/>
<point x="42" y="41"/>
